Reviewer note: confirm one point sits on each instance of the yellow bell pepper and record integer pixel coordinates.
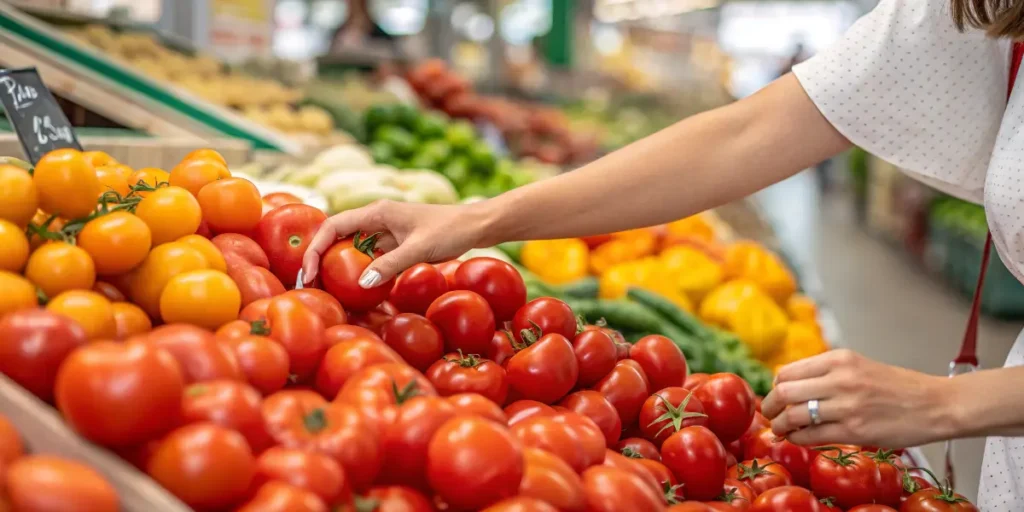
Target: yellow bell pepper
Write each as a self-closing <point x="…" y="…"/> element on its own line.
<point x="557" y="261"/>
<point x="615" y="282"/>
<point x="693" y="272"/>
<point x="718" y="306"/>
<point x="699" y="226"/>
<point x="622" y="248"/>
<point x="761" y="324"/>
<point x="802" y="341"/>
<point x="802" y="308"/>
<point x="750" y="260"/>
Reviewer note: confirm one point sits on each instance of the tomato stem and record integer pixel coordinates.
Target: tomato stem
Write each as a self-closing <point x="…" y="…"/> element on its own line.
<point x="365" y="504"/>
<point x="259" y="328"/>
<point x="630" y="453"/>
<point x="753" y="471"/>
<point x="945" y="490"/>
<point x="410" y="391"/>
<point x="675" y="414"/>
<point x="465" y="361"/>
<point x="315" y="420"/>
<point x="366" y="245"/>
<point x="295" y="240"/>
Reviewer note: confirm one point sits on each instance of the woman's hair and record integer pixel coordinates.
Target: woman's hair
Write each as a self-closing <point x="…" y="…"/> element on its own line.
<point x="998" y="18"/>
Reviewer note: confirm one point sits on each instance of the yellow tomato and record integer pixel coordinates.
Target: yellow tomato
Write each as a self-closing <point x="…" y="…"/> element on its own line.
<point x="163" y="263"/>
<point x="117" y="242"/>
<point x="18" y="293"/>
<point x="170" y="213"/>
<point x="130" y="320"/>
<point x="206" y="298"/>
<point x="13" y="247"/>
<point x="193" y="175"/>
<point x="111" y="180"/>
<point x="91" y="310"/>
<point x="66" y="183"/>
<point x="58" y="267"/>
<point x="98" y="158"/>
<point x="122" y="170"/>
<point x="214" y="258"/>
<point x="206" y="154"/>
<point x="18" y="198"/>
<point x="148" y="176"/>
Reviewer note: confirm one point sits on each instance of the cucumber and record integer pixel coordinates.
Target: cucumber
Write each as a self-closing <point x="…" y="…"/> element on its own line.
<point x="683" y="319"/>
<point x="585" y="288"/>
<point x="620" y="314"/>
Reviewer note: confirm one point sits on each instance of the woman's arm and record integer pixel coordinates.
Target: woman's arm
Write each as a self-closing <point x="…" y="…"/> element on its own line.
<point x="987" y="403"/>
<point x="701" y="162"/>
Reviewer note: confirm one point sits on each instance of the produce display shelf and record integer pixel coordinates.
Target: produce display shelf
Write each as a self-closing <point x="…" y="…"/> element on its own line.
<point x="117" y="91"/>
<point x="140" y="150"/>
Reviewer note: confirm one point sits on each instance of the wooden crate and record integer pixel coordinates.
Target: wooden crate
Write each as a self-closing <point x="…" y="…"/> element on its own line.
<point x="137" y="152"/>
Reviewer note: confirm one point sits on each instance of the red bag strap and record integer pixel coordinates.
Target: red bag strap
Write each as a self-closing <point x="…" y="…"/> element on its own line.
<point x="969" y="347"/>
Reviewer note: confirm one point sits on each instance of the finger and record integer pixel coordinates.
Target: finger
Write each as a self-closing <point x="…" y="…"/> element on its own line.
<point x="390" y="264"/>
<point x="814" y="366"/>
<point x="826" y="433"/>
<point x="796" y="392"/>
<point x="340" y="225"/>
<point x="798" y="416"/>
<point x="387" y="242"/>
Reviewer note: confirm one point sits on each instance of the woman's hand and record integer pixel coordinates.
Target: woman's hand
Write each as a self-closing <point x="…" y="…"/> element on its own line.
<point x="412" y="233"/>
<point x="861" y="402"/>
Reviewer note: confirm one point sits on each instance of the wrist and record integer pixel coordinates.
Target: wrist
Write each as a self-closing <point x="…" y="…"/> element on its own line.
<point x="953" y="416"/>
<point x="488" y="223"/>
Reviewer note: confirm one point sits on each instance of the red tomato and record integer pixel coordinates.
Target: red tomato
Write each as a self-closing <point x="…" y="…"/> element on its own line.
<point x="323" y="304"/>
<point x="738" y="494"/>
<point x="795" y="458"/>
<point x="626" y="387"/>
<point x="404" y="440"/>
<point x="524" y="409"/>
<point x="548" y="314"/>
<point x="314" y="472"/>
<point x="890" y="478"/>
<point x="520" y="504"/>
<point x="697" y="458"/>
<point x="377" y="391"/>
<point x="473" y="462"/>
<point x="700" y="506"/>
<point x="206" y="466"/>
<point x="374" y="319"/>
<point x="596" y="355"/>
<point x="587" y="433"/>
<point x="397" y="498"/>
<point x="201" y="356"/>
<point x="264" y="362"/>
<point x="255" y="312"/>
<point x="549" y="479"/>
<point x="668" y="411"/>
<point x="729" y="403"/>
<point x="301" y="332"/>
<point x="120" y="394"/>
<point x="872" y="508"/>
<point x="345" y="359"/>
<point x="284" y="234"/>
<point x="457" y="373"/>
<point x="303" y="420"/>
<point x="479" y="405"/>
<point x="498" y="282"/>
<point x="280" y="497"/>
<point x="342" y="265"/>
<point x="637" y="448"/>
<point x="240" y="249"/>
<point x="557" y="438"/>
<point x="501" y="349"/>
<point x="935" y="500"/>
<point x="912" y="484"/>
<point x="596" y="407"/>
<point x="611" y="489"/>
<point x="230" y="404"/>
<point x="33" y="344"/>
<point x="695" y="380"/>
<point x="759" y="422"/>
<point x="44" y="483"/>
<point x="341" y="333"/>
<point x="613" y="459"/>
<point x="447" y="270"/>
<point x="415" y="339"/>
<point x="662" y="361"/>
<point x="545" y="370"/>
<point x="276" y="199"/>
<point x="786" y="499"/>
<point x="465" y="320"/>
<point x="254" y="283"/>
<point x="761" y="474"/>
<point x="850" y="478"/>
<point x="417" y="287"/>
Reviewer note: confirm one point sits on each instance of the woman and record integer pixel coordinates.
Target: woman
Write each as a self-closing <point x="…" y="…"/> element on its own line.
<point x="918" y="82"/>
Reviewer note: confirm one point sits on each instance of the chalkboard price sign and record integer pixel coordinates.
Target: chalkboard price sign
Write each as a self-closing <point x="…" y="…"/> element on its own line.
<point x="37" y="118"/>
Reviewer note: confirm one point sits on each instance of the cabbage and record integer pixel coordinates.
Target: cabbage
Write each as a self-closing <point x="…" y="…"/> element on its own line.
<point x="341" y="180"/>
<point x="426" y="187"/>
<point x="354" y="197"/>
<point x="349" y="156"/>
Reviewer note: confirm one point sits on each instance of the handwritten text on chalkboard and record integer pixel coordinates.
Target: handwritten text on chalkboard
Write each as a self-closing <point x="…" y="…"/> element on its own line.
<point x="35" y="114"/>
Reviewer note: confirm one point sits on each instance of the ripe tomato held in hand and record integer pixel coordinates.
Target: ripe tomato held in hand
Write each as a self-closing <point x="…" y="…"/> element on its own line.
<point x="478" y="405"/>
<point x="404" y="440"/>
<point x="498" y="282"/>
<point x="458" y="373"/>
<point x="549" y="479"/>
<point x="761" y="474"/>
<point x="627" y="388"/>
<point x="546" y="370"/>
<point x="47" y="483"/>
<point x="314" y="472"/>
<point x="323" y="304"/>
<point x="473" y="462"/>
<point x="231" y="205"/>
<point x="729" y="403"/>
<point x="610" y="489"/>
<point x="230" y="404"/>
<point x="341" y="267"/>
<point x="415" y="339"/>
<point x="596" y="407"/>
<point x="521" y="410"/>
<point x="33" y="344"/>
<point x="635" y="447"/>
<point x="417" y="287"/>
<point x="94" y="398"/>
<point x="548" y="314"/>
<point x="284" y="234"/>
<point x="850" y="478"/>
<point x="200" y="356"/>
<point x="263" y="362"/>
<point x="786" y="499"/>
<point x="347" y="358"/>
<point x="697" y="458"/>
<point x="596" y="355"/>
<point x="668" y="411"/>
<point x="301" y="332"/>
<point x="663" y="362"/>
<point x="466" y="321"/>
<point x="208" y="467"/>
<point x="277" y="496"/>
<point x="240" y="248"/>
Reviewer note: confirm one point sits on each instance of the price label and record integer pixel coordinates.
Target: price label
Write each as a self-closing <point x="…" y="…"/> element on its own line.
<point x="37" y="118"/>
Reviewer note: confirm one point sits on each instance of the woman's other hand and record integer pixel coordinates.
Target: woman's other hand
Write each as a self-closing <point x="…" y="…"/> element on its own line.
<point x="861" y="402"/>
<point x="412" y="233"/>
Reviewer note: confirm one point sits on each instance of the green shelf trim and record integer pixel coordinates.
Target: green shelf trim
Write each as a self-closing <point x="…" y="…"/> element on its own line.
<point x="105" y="68"/>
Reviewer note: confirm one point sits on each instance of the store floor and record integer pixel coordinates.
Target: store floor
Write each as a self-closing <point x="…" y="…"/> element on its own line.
<point x="885" y="307"/>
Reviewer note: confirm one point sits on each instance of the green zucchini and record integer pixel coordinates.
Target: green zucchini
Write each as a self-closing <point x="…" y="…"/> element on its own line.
<point x="584" y="288"/>
<point x="620" y="314"/>
<point x="683" y="319"/>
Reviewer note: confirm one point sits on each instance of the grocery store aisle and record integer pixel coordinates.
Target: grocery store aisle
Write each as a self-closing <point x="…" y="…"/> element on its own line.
<point x="886" y="307"/>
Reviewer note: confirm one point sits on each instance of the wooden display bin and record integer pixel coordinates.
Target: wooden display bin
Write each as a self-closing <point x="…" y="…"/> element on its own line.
<point x="138" y="152"/>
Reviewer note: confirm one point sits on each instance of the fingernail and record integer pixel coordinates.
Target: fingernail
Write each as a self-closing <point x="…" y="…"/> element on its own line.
<point x="369" y="279"/>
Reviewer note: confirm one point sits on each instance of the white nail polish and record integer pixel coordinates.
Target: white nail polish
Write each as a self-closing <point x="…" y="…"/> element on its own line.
<point x="369" y="279"/>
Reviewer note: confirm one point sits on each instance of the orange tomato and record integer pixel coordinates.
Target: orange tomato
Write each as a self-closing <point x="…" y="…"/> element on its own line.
<point x="18" y="198"/>
<point x="214" y="258"/>
<point x="109" y="290"/>
<point x="117" y="242"/>
<point x="130" y="320"/>
<point x="13" y="247"/>
<point x="122" y="170"/>
<point x="66" y="183"/>
<point x="206" y="154"/>
<point x="44" y="482"/>
<point x="111" y="180"/>
<point x="231" y="205"/>
<point x="163" y="263"/>
<point x="91" y="310"/>
<point x="149" y="176"/>
<point x="206" y="298"/>
<point x="58" y="267"/>
<point x="193" y="175"/>
<point x="18" y="293"/>
<point x="98" y="158"/>
<point x="57" y="224"/>
<point x="170" y="213"/>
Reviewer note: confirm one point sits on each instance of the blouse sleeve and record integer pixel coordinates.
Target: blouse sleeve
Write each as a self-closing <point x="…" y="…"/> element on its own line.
<point x="908" y="87"/>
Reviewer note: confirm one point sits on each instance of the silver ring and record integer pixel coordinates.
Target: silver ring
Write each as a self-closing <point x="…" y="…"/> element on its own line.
<point x="814" y="408"/>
